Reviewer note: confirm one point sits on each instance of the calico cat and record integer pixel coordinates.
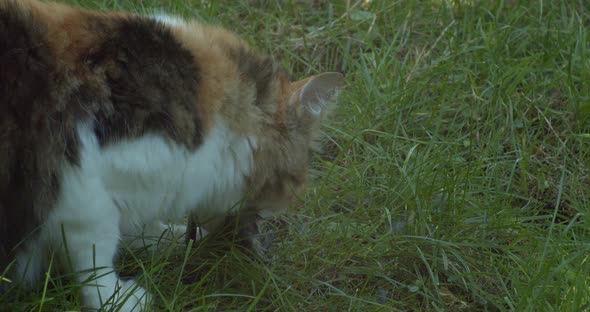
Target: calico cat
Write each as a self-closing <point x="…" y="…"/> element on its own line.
<point x="113" y="124"/>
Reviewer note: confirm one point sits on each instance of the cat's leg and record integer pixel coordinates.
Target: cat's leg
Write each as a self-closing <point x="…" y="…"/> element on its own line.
<point x="29" y="263"/>
<point x="85" y="225"/>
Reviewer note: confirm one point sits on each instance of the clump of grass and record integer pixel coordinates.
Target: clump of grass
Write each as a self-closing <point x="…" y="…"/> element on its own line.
<point x="455" y="176"/>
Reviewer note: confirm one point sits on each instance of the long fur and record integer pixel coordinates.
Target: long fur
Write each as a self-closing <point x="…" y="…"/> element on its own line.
<point x="112" y="124"/>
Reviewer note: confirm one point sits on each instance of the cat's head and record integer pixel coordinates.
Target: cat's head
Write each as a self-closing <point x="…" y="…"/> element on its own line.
<point x="290" y="134"/>
<point x="259" y="100"/>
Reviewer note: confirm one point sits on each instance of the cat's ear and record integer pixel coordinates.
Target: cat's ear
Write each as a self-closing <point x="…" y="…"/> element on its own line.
<point x="318" y="92"/>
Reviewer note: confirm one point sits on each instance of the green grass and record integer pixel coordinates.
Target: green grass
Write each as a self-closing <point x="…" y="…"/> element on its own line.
<point x="456" y="177"/>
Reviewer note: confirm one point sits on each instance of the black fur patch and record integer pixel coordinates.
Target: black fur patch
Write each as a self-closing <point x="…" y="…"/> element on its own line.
<point x="31" y="140"/>
<point x="153" y="82"/>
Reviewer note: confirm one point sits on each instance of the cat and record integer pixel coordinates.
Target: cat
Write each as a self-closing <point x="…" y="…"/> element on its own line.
<point x="114" y="124"/>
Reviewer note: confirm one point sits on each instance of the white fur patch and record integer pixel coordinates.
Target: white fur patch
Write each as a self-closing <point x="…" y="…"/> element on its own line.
<point x="131" y="186"/>
<point x="168" y="19"/>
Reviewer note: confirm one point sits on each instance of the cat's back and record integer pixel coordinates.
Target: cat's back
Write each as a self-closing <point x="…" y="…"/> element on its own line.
<point x="61" y="66"/>
<point x="35" y="85"/>
<point x="25" y="62"/>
